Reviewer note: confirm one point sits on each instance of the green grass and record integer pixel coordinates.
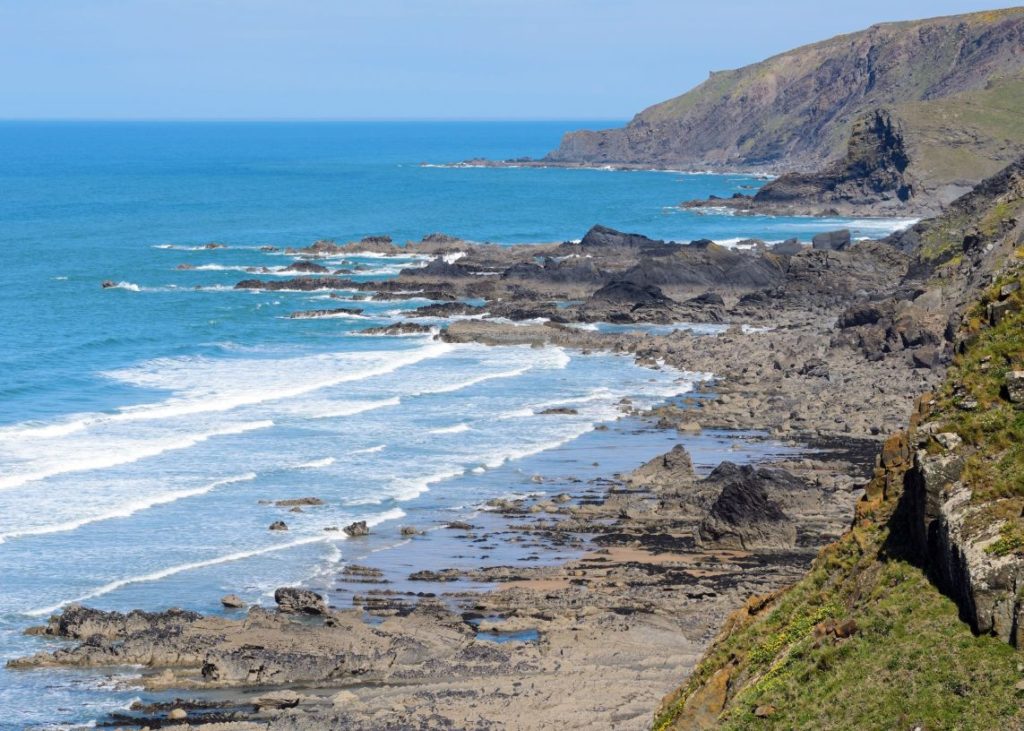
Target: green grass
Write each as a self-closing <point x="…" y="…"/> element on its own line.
<point x="912" y="661"/>
<point x="994" y="431"/>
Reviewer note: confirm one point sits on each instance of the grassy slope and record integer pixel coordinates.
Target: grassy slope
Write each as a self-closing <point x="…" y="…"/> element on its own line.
<point x="966" y="136"/>
<point x="912" y="661"/>
<point x="779" y="105"/>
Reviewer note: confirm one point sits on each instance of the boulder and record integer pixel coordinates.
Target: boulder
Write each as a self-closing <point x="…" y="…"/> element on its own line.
<point x="789" y="247"/>
<point x="295" y="600"/>
<point x="1014" y="384"/>
<point x="744" y="516"/>
<point x="357" y="529"/>
<point x="232" y="601"/>
<point x="831" y="240"/>
<point x="278" y="525"/>
<point x="177" y="714"/>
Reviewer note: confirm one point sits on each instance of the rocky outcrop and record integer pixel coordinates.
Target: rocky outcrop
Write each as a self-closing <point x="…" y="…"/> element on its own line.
<point x="329" y="312"/>
<point x="294" y="600"/>
<point x="745" y="515"/>
<point x="872" y="173"/>
<point x="899" y="92"/>
<point x="304" y="284"/>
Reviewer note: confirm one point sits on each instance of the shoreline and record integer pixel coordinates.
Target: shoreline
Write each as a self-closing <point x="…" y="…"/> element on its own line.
<point x="656" y="560"/>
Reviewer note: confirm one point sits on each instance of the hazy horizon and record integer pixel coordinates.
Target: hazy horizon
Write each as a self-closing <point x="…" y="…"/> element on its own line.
<point x="393" y="60"/>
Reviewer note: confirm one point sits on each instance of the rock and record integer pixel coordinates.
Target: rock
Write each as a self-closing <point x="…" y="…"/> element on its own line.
<point x="1007" y="289"/>
<point x="177" y="714"/>
<point x="278" y="525"/>
<point x="330" y="312"/>
<point x="344" y="698"/>
<point x="743" y="516"/>
<point x="1014" y="384"/>
<point x="689" y="427"/>
<point x="304" y="265"/>
<point x="408" y="531"/>
<point x="298" y="502"/>
<point x="357" y="529"/>
<point x="997" y="311"/>
<point x="107" y="284"/>
<point x="398" y="328"/>
<point x="831" y="240"/>
<point x="458" y="525"/>
<point x="305" y="284"/>
<point x="764" y="711"/>
<point x="558" y="410"/>
<point x="624" y="292"/>
<point x="278" y="699"/>
<point x="295" y="600"/>
<point x="815" y="368"/>
<point x="789" y="247"/>
<point x="232" y="601"/>
<point x="927" y="357"/>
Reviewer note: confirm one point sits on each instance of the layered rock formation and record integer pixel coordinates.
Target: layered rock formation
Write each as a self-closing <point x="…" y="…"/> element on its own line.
<point x="912" y="112"/>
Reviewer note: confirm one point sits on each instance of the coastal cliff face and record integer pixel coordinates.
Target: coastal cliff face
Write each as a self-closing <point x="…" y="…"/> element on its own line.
<point x="952" y="86"/>
<point x="926" y="590"/>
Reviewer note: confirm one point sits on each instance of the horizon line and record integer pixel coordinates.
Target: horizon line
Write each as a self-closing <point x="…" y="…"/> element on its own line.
<point x="311" y="119"/>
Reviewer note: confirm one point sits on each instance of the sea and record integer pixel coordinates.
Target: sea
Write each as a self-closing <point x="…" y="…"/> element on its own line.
<point x="145" y="428"/>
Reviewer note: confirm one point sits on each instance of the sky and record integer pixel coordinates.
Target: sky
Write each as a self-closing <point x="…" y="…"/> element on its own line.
<point x="396" y="59"/>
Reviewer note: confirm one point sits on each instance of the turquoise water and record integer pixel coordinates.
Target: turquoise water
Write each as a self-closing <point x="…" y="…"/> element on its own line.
<point x="142" y="426"/>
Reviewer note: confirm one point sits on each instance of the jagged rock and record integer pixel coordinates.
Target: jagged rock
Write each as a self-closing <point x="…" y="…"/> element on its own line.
<point x="667" y="470"/>
<point x="295" y="600"/>
<point x="357" y="529"/>
<point x="398" y="328"/>
<point x="744" y="516"/>
<point x="278" y="525"/>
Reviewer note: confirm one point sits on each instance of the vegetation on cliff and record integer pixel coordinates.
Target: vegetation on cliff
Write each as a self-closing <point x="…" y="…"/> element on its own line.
<point x="953" y="86"/>
<point x="910" y="619"/>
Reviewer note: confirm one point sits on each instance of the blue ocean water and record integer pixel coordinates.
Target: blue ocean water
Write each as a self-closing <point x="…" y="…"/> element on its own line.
<point x="144" y="427"/>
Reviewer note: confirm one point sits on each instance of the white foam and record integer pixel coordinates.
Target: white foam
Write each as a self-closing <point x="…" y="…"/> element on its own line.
<point x="127" y="509"/>
<point x="456" y="429"/>
<point x="125" y="453"/>
<point x="393" y="514"/>
<point x="216" y="385"/>
<point x="130" y="286"/>
<point x="370" y="450"/>
<point x="317" y="464"/>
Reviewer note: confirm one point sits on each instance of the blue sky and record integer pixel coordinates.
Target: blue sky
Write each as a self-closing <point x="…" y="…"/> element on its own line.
<point x="425" y="59"/>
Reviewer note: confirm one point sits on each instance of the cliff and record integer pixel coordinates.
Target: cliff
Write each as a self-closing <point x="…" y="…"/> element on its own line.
<point x="912" y="618"/>
<point x="952" y="86"/>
